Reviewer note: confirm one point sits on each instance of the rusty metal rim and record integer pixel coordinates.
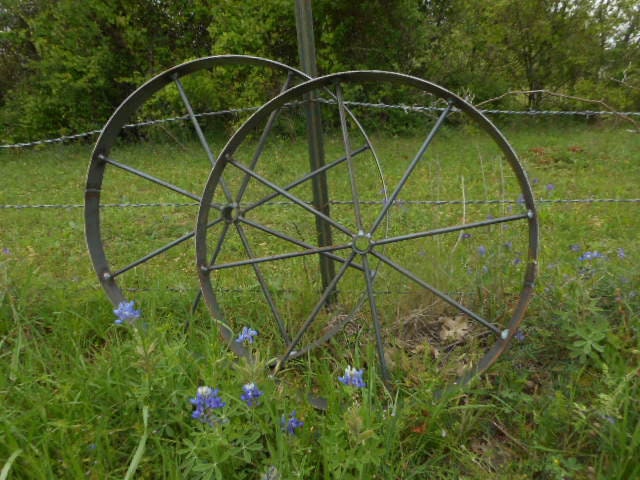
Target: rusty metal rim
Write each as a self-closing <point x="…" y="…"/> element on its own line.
<point x="110" y="132"/>
<point x="455" y="103"/>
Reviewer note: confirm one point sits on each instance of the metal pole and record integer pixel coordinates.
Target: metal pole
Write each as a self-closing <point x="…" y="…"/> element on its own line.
<point x="307" y="52"/>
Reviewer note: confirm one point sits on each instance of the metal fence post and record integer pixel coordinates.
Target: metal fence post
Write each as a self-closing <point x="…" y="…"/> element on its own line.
<point x="307" y="52"/>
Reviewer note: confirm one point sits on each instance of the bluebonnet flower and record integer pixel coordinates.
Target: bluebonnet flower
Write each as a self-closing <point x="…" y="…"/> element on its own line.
<point x="520" y="336"/>
<point x="520" y="199"/>
<point x="536" y="181"/>
<point x="482" y="250"/>
<point x="466" y="235"/>
<point x="621" y="253"/>
<point x="251" y="394"/>
<point x="126" y="313"/>
<point x="590" y="256"/>
<point x="6" y="251"/>
<point x="247" y="335"/>
<point x="517" y="261"/>
<point x="290" y="426"/>
<point x="353" y="377"/>
<point x="550" y="187"/>
<point x="207" y="400"/>
<point x="575" y="247"/>
<point x="508" y="245"/>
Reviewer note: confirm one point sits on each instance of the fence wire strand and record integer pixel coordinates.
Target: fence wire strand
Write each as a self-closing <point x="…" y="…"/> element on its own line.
<point x="383" y="106"/>
<point x="334" y="202"/>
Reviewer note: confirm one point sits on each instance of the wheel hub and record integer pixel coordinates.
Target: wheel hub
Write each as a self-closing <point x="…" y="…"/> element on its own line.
<point x="362" y="243"/>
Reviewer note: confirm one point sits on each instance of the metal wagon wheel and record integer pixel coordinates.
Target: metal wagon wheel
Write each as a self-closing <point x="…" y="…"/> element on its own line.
<point x="184" y="92"/>
<point x="263" y="242"/>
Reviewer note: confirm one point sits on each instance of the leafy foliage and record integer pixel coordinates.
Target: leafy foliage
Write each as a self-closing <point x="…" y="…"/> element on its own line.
<point x="66" y="65"/>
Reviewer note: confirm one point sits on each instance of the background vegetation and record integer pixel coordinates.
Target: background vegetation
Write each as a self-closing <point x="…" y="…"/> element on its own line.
<point x="66" y="64"/>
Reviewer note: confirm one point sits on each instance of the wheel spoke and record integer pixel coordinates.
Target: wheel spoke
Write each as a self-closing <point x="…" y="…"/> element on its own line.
<point x="328" y="291"/>
<point x="293" y="198"/>
<point x="456" y="228"/>
<point x="437" y="292"/>
<point x="160" y="250"/>
<point x="411" y="167"/>
<point x="305" y="178"/>
<point x="151" y="178"/>
<point x="368" y="275"/>
<point x="330" y="333"/>
<point x="263" y="284"/>
<point x="282" y="256"/>
<point x="347" y="149"/>
<point x="295" y="241"/>
<point x="214" y="257"/>
<point x="198" y="130"/>
<point x="273" y="116"/>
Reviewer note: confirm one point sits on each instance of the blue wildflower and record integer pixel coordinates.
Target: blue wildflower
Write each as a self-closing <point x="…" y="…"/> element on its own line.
<point x="251" y="394"/>
<point x="353" y="377"/>
<point x="520" y="199"/>
<point x="508" y="245"/>
<point x="290" y="426"/>
<point x="126" y="313"/>
<point x="482" y="250"/>
<point x="590" y="256"/>
<point x="466" y="235"/>
<point x="247" y="335"/>
<point x="517" y="261"/>
<point x="207" y="400"/>
<point x="6" y="251"/>
<point x="621" y="253"/>
<point x="575" y="247"/>
<point x="520" y="336"/>
<point x="550" y="187"/>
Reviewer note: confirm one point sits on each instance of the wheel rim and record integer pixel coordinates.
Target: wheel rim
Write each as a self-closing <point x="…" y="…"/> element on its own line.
<point x="362" y="238"/>
<point x="98" y="239"/>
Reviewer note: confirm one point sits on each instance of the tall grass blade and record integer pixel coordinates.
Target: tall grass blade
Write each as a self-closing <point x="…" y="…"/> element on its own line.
<point x="137" y="457"/>
<point x="4" y="474"/>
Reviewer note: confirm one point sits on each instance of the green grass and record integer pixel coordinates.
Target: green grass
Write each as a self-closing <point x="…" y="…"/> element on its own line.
<point x="84" y="398"/>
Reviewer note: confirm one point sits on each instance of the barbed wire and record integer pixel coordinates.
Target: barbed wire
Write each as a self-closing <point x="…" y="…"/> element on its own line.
<point x="383" y="106"/>
<point x="333" y="202"/>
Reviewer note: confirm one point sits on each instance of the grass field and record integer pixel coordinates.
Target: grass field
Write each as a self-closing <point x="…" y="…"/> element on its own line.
<point x="82" y="397"/>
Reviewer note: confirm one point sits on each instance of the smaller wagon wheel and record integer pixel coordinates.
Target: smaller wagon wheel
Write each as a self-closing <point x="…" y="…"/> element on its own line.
<point x="145" y="159"/>
<point x="456" y="233"/>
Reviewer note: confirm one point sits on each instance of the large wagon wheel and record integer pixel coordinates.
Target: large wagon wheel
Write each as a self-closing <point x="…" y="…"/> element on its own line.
<point x="119" y="173"/>
<point x="455" y="235"/>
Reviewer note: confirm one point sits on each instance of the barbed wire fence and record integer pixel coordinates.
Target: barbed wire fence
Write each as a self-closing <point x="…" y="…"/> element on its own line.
<point x="628" y="115"/>
<point x="383" y="106"/>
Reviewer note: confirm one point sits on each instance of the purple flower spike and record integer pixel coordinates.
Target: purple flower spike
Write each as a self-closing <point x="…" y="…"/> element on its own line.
<point x="126" y="313"/>
<point x="590" y="256"/>
<point x="550" y="187"/>
<point x="247" y="335"/>
<point x="290" y="426"/>
<point x="207" y="400"/>
<point x="353" y="377"/>
<point x="251" y="394"/>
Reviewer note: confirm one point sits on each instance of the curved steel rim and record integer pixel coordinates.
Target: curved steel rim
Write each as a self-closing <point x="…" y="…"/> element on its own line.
<point x="109" y="134"/>
<point x="377" y="76"/>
